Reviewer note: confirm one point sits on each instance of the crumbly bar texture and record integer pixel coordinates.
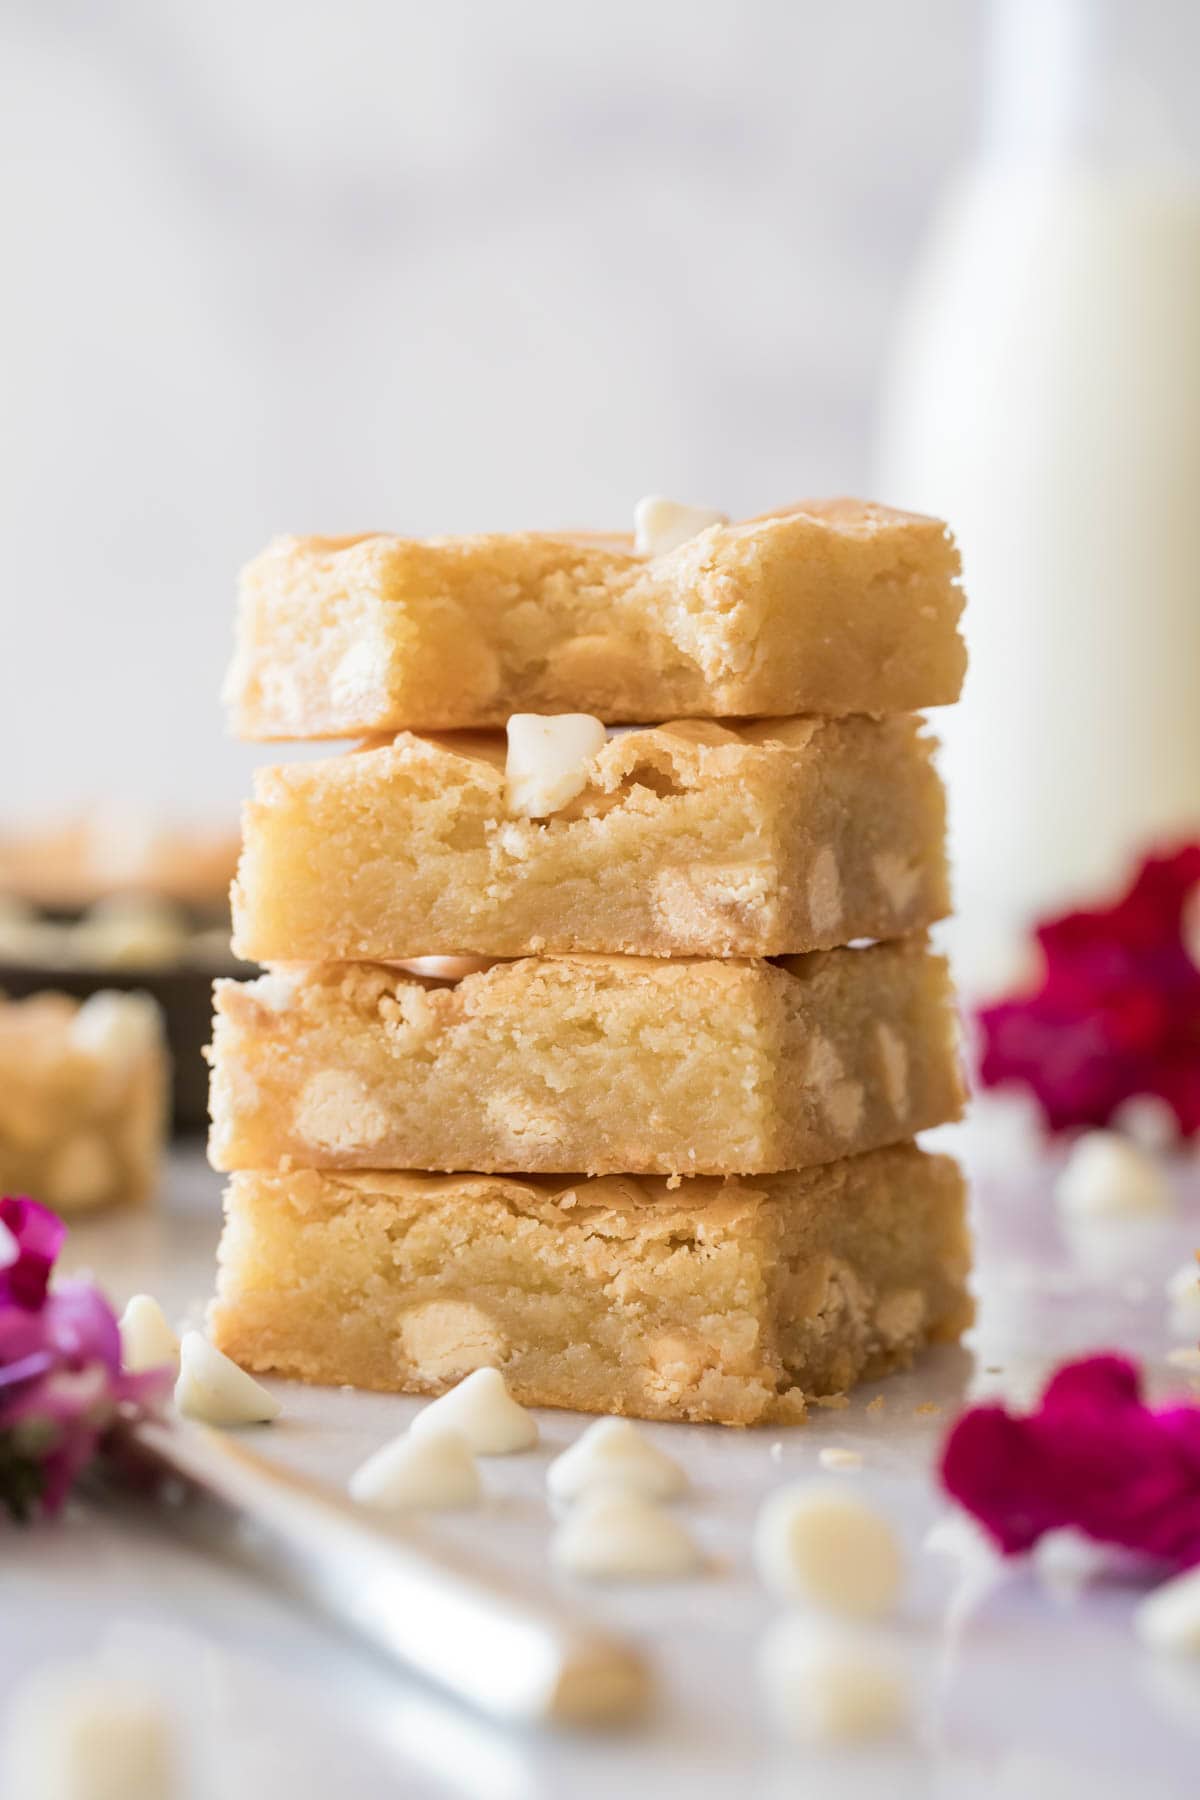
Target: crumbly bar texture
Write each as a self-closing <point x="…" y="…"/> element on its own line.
<point x="597" y="1063"/>
<point x="735" y="1302"/>
<point x="693" y="838"/>
<point x="83" y="1099"/>
<point x="833" y="607"/>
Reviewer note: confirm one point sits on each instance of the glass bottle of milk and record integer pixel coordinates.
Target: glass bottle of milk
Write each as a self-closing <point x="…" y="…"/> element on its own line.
<point x="1044" y="396"/>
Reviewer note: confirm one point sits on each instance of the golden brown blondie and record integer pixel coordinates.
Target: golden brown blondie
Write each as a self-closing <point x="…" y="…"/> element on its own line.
<point x="766" y="839"/>
<point x="731" y="1301"/>
<point x="825" y="607"/>
<point x="597" y="1063"/>
<point x="83" y="1098"/>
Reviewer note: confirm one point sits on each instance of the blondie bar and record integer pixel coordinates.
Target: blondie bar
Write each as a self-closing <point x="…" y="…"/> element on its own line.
<point x="727" y="1301"/>
<point x="597" y="1063"/>
<point x="83" y="1098"/>
<point x="827" y="607"/>
<point x="766" y="839"/>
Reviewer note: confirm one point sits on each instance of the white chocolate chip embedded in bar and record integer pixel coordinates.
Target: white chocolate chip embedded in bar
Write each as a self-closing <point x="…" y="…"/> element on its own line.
<point x="544" y="1064"/>
<point x="662" y="525"/>
<point x="686" y="839"/>
<point x="733" y="1292"/>
<point x="827" y="607"/>
<point x="548" y="761"/>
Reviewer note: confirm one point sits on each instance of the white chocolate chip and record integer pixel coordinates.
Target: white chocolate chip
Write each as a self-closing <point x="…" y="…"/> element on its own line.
<point x="957" y="1535"/>
<point x="835" y="1456"/>
<point x="614" y="1453"/>
<point x="661" y="525"/>
<point x="81" y="1173"/>
<point x="481" y="1410"/>
<point x="117" y="1029"/>
<point x="828" y="1547"/>
<point x="1183" y="1294"/>
<point x="1148" y="1120"/>
<point x="445" y="968"/>
<point x="1066" y="1560"/>
<point x="1106" y="1176"/>
<point x="213" y="1389"/>
<point x="548" y="760"/>
<point x="615" y="1534"/>
<point x="274" y="991"/>
<point x="828" y="1684"/>
<point x="1169" y="1618"/>
<point x="898" y="878"/>
<point x="825" y="893"/>
<point x="75" y="1734"/>
<point x="147" y="1341"/>
<point x="337" y="1111"/>
<point x="431" y="1471"/>
<point x="893" y="1054"/>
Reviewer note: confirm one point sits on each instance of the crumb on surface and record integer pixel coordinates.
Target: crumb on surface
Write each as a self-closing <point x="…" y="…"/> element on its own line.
<point x="878" y="1405"/>
<point x="838" y="1456"/>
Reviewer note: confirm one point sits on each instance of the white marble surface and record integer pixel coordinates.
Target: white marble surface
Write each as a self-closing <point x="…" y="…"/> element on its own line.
<point x="1025" y="1688"/>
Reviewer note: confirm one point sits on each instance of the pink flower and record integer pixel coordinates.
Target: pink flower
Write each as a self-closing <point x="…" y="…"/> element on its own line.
<point x="1116" y="1009"/>
<point x="1092" y="1455"/>
<point x="62" y="1387"/>
<point x="30" y="1240"/>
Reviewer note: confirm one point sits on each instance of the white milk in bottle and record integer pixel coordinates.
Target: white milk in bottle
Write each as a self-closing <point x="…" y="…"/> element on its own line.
<point x="1044" y="396"/>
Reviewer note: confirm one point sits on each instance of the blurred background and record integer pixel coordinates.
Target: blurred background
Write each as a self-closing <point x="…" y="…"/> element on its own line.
<point x="298" y="267"/>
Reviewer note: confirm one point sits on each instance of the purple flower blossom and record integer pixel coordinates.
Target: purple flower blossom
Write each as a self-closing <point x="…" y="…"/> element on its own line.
<point x="62" y="1387"/>
<point x="1092" y="1455"/>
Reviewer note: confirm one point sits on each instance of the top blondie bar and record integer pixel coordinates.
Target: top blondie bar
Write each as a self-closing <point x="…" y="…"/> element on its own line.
<point x="827" y="607"/>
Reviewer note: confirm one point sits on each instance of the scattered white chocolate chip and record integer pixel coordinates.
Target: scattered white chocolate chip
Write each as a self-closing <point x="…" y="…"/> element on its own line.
<point x="830" y="1684"/>
<point x="548" y="760"/>
<point x="433" y="1471"/>
<point x="614" y="1453"/>
<point x="1067" y="1560"/>
<point x="660" y="525"/>
<point x="74" y="1734"/>
<point x="1107" y="1176"/>
<point x="212" y="1388"/>
<point x="481" y="1410"/>
<point x="1183" y="1294"/>
<point x="956" y="1534"/>
<point x="617" y="1535"/>
<point x="147" y="1341"/>
<point x="836" y="1456"/>
<point x="1169" y="1618"/>
<point x="828" y="1546"/>
<point x="1148" y="1120"/>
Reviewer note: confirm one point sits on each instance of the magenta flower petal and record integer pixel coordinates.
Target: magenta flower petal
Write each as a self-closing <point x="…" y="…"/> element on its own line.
<point x="1115" y="1011"/>
<point x="1091" y="1455"/>
<point x="38" y="1235"/>
<point x="62" y="1387"/>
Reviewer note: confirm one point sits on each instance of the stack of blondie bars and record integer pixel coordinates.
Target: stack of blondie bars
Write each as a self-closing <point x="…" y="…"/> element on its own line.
<point x="599" y="1014"/>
